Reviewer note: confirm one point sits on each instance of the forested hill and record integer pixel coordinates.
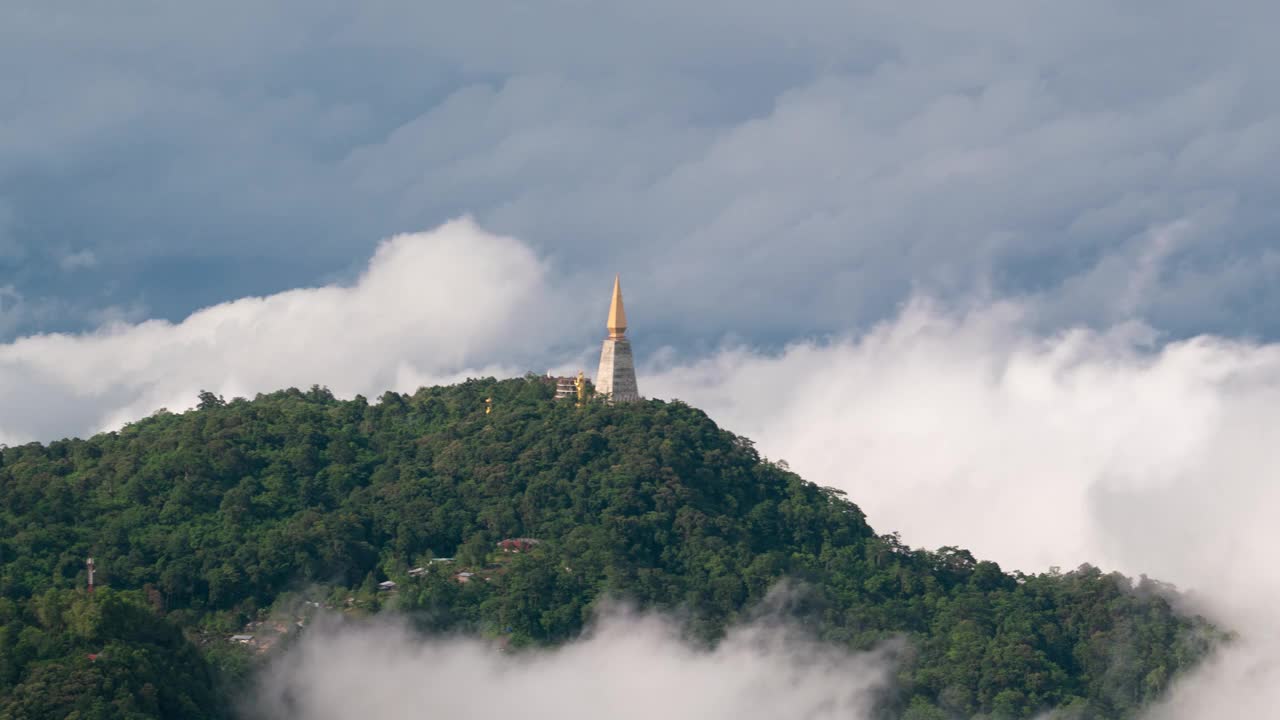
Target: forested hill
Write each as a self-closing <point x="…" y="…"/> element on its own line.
<point x="204" y="522"/>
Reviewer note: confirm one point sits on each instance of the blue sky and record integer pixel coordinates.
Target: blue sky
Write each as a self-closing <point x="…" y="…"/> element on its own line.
<point x="756" y="171"/>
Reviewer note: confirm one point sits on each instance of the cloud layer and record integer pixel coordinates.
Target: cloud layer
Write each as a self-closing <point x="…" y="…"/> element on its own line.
<point x="1095" y="430"/>
<point x="765" y="170"/>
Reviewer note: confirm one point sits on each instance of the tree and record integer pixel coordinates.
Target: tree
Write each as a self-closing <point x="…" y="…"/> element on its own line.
<point x="208" y="401"/>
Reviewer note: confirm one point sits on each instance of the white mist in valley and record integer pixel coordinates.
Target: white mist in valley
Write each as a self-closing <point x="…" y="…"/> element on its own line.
<point x="629" y="667"/>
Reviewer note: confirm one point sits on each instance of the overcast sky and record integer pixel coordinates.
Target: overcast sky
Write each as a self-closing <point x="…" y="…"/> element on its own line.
<point x="756" y="170"/>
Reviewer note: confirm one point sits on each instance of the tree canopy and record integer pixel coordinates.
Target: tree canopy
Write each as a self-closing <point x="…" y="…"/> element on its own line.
<point x="204" y="521"/>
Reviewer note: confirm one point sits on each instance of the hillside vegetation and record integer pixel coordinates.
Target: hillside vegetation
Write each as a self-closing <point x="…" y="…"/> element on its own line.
<point x="204" y="521"/>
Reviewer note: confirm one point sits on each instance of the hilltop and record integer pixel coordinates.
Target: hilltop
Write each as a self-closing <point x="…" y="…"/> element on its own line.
<point x="206" y="521"/>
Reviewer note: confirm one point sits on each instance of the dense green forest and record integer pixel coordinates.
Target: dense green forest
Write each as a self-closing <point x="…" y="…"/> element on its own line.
<point x="204" y="522"/>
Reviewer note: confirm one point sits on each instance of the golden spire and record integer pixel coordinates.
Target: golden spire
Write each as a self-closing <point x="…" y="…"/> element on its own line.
<point x="617" y="315"/>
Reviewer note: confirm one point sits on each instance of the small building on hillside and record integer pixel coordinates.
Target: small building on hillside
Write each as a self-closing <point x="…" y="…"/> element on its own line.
<point x="565" y="389"/>
<point x="517" y="544"/>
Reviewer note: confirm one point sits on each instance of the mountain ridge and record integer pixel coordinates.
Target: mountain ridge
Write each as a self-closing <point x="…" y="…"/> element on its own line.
<point x="208" y="518"/>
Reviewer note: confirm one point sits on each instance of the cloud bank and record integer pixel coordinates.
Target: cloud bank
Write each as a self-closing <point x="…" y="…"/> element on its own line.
<point x="429" y="308"/>
<point x="999" y="424"/>
<point x="773" y="169"/>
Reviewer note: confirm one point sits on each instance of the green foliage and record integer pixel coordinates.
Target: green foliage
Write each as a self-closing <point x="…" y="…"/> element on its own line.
<point x="210" y="516"/>
<point x="69" y="654"/>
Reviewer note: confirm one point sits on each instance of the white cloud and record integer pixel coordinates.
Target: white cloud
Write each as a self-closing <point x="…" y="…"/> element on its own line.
<point x="1009" y="418"/>
<point x="430" y="307"/>
<point x="629" y="668"/>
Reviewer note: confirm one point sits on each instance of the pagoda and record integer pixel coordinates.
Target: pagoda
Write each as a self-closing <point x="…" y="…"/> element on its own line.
<point x="616" y="378"/>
